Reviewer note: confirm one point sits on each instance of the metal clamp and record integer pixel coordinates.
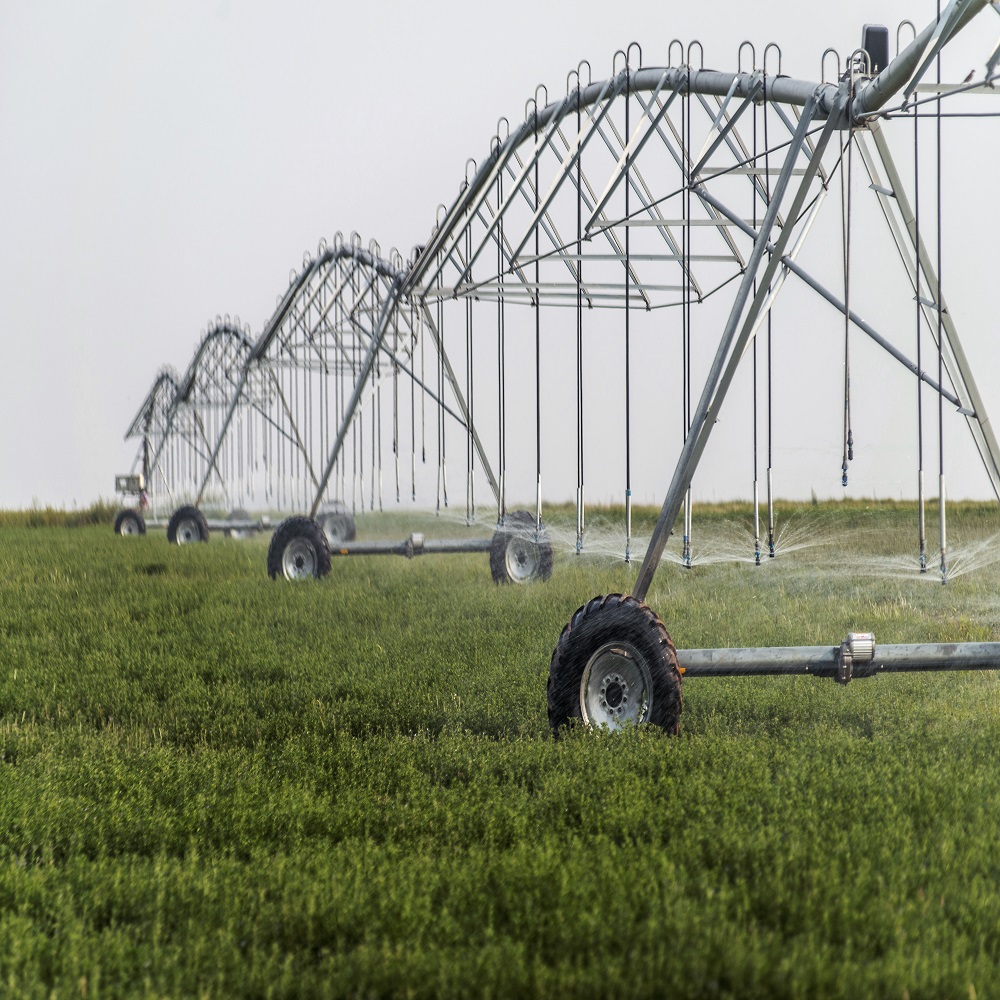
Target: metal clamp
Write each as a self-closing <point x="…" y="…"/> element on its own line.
<point x="414" y="545"/>
<point x="858" y="649"/>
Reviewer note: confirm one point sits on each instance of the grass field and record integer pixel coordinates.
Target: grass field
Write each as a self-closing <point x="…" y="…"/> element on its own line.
<point x="216" y="785"/>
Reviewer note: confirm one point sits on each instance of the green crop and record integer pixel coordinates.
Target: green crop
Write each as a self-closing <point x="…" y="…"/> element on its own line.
<point x="216" y="785"/>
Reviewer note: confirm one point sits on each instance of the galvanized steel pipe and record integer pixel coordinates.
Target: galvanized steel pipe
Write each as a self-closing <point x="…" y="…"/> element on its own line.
<point x="825" y="661"/>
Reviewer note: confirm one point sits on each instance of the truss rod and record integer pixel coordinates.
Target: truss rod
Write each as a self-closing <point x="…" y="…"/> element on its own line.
<point x="362" y="377"/>
<point x="956" y="363"/>
<point x="569" y="161"/>
<point x="877" y="92"/>
<point x="635" y="146"/>
<point x="864" y="326"/>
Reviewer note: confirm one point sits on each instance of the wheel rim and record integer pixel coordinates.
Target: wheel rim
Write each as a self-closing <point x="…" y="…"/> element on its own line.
<point x="616" y="687"/>
<point x="333" y="528"/>
<point x="522" y="559"/>
<point x="129" y="526"/>
<point x="298" y="561"/>
<point x="188" y="531"/>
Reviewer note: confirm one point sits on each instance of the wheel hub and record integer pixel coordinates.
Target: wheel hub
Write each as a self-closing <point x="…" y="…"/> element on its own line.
<point x="188" y="531"/>
<point x="615" y="687"/>
<point x="333" y="528"/>
<point x="614" y="693"/>
<point x="299" y="560"/>
<point x="522" y="559"/>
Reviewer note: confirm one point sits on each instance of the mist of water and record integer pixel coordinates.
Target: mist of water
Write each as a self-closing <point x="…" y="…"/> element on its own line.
<point x="804" y="537"/>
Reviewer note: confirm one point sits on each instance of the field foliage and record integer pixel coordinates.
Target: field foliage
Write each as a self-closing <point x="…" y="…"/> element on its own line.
<point x="216" y="785"/>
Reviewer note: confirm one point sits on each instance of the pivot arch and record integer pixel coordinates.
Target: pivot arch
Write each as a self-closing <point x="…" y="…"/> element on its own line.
<point x="192" y="416"/>
<point x="601" y="201"/>
<point x="151" y="425"/>
<point x="577" y="206"/>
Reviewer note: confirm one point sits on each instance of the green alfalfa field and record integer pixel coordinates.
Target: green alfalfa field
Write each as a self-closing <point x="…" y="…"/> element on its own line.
<point x="212" y="784"/>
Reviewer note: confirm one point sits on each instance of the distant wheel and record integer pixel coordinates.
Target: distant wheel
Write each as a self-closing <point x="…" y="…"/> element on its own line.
<point x="187" y="524"/>
<point x="615" y="664"/>
<point x="238" y="514"/>
<point x="337" y="522"/>
<point x="298" y="550"/>
<point x="130" y="522"/>
<point x="519" y="553"/>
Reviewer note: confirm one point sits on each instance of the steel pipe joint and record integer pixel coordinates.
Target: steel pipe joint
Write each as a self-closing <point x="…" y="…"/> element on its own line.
<point x="857" y="650"/>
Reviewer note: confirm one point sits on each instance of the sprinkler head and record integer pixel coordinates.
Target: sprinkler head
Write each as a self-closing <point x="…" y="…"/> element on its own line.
<point x="843" y="480"/>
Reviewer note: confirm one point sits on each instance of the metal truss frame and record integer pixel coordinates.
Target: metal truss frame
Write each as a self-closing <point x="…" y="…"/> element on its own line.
<point x="629" y="193"/>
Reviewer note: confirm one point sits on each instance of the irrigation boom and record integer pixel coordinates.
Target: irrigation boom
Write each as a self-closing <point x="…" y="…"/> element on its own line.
<point x="857" y="656"/>
<point x="646" y="193"/>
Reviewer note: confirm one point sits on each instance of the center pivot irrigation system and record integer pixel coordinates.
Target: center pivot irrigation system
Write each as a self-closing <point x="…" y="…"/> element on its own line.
<point x="612" y="210"/>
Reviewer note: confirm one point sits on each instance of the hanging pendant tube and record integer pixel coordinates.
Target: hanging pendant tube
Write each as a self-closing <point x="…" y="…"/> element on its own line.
<point x="944" y="532"/>
<point x="686" y="556"/>
<point x="628" y="344"/>
<point x="922" y="520"/>
<point x="938" y="298"/>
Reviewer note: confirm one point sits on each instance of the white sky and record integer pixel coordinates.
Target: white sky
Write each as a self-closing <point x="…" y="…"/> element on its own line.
<point x="164" y="163"/>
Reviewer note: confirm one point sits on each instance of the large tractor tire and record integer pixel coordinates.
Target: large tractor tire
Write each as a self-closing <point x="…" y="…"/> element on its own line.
<point x="130" y="522"/>
<point x="187" y="524"/>
<point x="615" y="665"/>
<point x="337" y="522"/>
<point x="298" y="550"/>
<point x="519" y="553"/>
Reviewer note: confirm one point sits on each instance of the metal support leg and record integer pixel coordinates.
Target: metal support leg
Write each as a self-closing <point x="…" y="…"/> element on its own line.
<point x="788" y="263"/>
<point x="731" y="346"/>
<point x="222" y="435"/>
<point x="366" y="367"/>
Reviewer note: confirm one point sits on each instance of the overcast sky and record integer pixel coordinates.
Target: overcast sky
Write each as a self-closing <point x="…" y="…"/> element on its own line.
<point x="164" y="163"/>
